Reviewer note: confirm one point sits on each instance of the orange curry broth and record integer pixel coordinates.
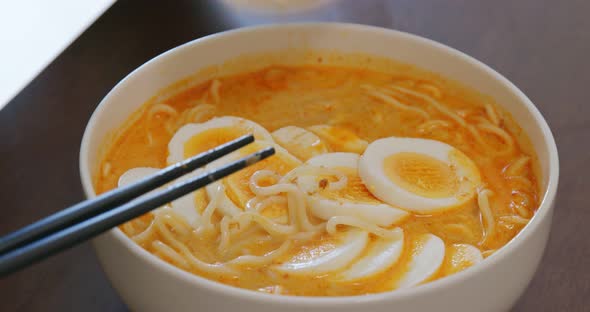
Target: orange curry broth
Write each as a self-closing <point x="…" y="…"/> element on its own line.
<point x="309" y="95"/>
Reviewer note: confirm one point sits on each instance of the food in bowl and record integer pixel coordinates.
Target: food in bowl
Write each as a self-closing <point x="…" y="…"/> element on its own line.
<point x="382" y="179"/>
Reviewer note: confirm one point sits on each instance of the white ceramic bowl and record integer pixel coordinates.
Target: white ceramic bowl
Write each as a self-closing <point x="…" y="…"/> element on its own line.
<point x="146" y="283"/>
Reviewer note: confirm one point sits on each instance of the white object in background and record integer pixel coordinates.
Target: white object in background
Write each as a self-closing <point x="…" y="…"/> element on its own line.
<point x="34" y="32"/>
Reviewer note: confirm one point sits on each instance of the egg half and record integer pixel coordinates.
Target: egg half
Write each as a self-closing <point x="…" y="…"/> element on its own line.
<point x="313" y="261"/>
<point x="418" y="175"/>
<point x="352" y="200"/>
<point x="186" y="206"/>
<point x="193" y="139"/>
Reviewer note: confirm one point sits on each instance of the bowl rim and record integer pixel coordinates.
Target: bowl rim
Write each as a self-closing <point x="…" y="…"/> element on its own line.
<point x="251" y="295"/>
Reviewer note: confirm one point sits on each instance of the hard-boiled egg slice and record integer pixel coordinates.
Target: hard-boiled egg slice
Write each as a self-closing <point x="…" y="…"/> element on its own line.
<point x="236" y="187"/>
<point x="463" y="256"/>
<point x="340" y="139"/>
<point x="301" y="143"/>
<point x="418" y="175"/>
<point x="352" y="200"/>
<point x="187" y="206"/>
<point x="382" y="254"/>
<point x="318" y="260"/>
<point x="426" y="259"/>
<point x="193" y="139"/>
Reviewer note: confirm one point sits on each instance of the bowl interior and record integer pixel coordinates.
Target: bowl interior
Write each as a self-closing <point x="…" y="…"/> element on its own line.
<point x="187" y="59"/>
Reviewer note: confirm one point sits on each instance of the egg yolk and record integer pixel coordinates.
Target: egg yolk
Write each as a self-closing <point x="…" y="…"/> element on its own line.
<point x="209" y="139"/>
<point x="421" y="174"/>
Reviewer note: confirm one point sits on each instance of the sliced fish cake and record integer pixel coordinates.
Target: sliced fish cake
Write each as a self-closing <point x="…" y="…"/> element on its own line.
<point x="426" y="259"/>
<point x="340" y="139"/>
<point x="301" y="143"/>
<point x="381" y="255"/>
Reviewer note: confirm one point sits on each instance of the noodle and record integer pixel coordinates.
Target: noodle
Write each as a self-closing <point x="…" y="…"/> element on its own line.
<point x="304" y="236"/>
<point x="142" y="237"/>
<point x="169" y="253"/>
<point x="492" y="115"/>
<point x="150" y="138"/>
<point x="302" y="217"/>
<point x="273" y="228"/>
<point x="522" y="180"/>
<point x="247" y="237"/>
<point x="192" y="260"/>
<point x="395" y="103"/>
<point x="500" y="133"/>
<point x="214" y="90"/>
<point x="257" y="204"/>
<point x="211" y="207"/>
<point x="486" y="213"/>
<point x="331" y="226"/>
<point x="521" y="205"/>
<point x="128" y="227"/>
<point x="434" y="90"/>
<point x="433" y="103"/>
<point x="484" y="126"/>
<point x="225" y="233"/>
<point x="177" y="222"/>
<point x="160" y="109"/>
<point x="516" y="168"/>
<point x="480" y="120"/>
<point x="515" y="219"/>
<point x="106" y="169"/>
<point x="265" y="259"/>
<point x="308" y="170"/>
<point x="431" y="124"/>
<point x="199" y="113"/>
<point x="295" y="197"/>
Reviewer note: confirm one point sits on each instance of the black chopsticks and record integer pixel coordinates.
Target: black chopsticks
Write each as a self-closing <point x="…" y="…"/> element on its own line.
<point x="95" y="216"/>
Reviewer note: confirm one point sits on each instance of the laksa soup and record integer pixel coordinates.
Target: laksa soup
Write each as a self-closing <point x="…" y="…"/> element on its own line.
<point x="384" y="177"/>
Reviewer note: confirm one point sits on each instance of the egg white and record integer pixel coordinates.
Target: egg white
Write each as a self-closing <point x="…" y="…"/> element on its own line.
<point x="325" y="208"/>
<point x="176" y="146"/>
<point x="372" y="172"/>
<point x="381" y="254"/>
<point x="184" y="206"/>
<point x="463" y="256"/>
<point x="426" y="259"/>
<point x="348" y="248"/>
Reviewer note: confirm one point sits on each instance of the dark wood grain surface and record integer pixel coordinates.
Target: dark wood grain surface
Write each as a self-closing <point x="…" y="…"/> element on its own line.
<point x="543" y="46"/>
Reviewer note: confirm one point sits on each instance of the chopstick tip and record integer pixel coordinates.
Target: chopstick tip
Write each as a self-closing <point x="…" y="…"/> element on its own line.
<point x="260" y="155"/>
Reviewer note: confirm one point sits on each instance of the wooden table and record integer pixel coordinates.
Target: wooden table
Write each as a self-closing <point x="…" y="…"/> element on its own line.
<point x="543" y="46"/>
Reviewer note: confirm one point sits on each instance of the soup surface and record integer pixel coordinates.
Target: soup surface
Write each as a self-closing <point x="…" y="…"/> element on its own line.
<point x="381" y="180"/>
